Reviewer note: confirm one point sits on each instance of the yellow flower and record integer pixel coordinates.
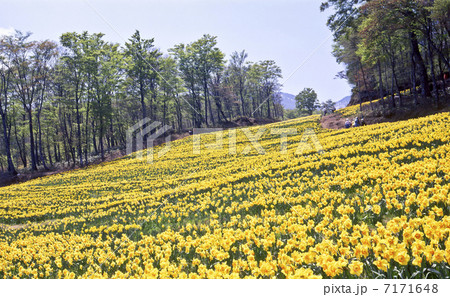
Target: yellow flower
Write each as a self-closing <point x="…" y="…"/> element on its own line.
<point x="417" y="261"/>
<point x="382" y="264"/>
<point x="402" y="257"/>
<point x="267" y="269"/>
<point x="376" y="209"/>
<point x="356" y="268"/>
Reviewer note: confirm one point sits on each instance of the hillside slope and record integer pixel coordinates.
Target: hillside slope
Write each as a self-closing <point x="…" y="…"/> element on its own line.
<point x="373" y="202"/>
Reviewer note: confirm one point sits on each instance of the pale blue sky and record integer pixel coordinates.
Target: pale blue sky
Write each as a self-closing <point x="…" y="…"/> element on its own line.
<point x="287" y="31"/>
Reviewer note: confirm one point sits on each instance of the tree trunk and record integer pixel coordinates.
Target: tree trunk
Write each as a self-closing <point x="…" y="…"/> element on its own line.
<point x="94" y="141"/>
<point x="433" y="77"/>
<point x="179" y="115"/>
<point x="441" y="55"/>
<point x="77" y="107"/>
<point x="6" y="138"/>
<point x="86" y="134"/>
<point x="364" y="76"/>
<point x="152" y="99"/>
<point x="421" y="68"/>
<point x="164" y="108"/>
<point x="32" y="146"/>
<point x="210" y="112"/>
<point x="48" y="150"/>
<point x="55" y="151"/>
<point x="41" y="150"/>
<point x="22" y="152"/>
<point x="205" y="93"/>
<point x="444" y="84"/>
<point x="111" y="131"/>
<point x="380" y="87"/>
<point x="5" y="80"/>
<point x="396" y="85"/>
<point x="241" y="94"/>
<point x="100" y="138"/>
<point x="413" y="79"/>
<point x="393" y="105"/>
<point x="142" y="93"/>
<point x="59" y="153"/>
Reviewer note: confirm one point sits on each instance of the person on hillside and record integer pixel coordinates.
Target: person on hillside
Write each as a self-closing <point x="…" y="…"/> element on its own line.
<point x="363" y="122"/>
<point x="348" y="124"/>
<point x="356" y="123"/>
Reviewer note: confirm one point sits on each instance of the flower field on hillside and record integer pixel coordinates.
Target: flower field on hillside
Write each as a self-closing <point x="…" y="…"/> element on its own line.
<point x="373" y="203"/>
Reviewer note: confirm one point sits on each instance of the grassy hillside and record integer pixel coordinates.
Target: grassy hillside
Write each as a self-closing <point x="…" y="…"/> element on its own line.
<point x="374" y="203"/>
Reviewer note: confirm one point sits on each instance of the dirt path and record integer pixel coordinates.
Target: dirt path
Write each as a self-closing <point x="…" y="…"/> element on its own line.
<point x="376" y="113"/>
<point x="333" y="121"/>
<point x="23" y="226"/>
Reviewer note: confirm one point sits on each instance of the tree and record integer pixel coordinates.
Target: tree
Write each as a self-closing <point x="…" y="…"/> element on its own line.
<point x="141" y="68"/>
<point x="45" y="53"/>
<point x="208" y="59"/>
<point x="238" y="76"/>
<point x="5" y="89"/>
<point x="186" y="65"/>
<point x="197" y="62"/>
<point x="393" y="26"/>
<point x="306" y="101"/>
<point x="406" y="39"/>
<point x="171" y="87"/>
<point x="270" y="85"/>
<point x="106" y="80"/>
<point x="263" y="80"/>
<point x="26" y="79"/>
<point x="71" y="103"/>
<point x="328" y="106"/>
<point x="345" y="15"/>
<point x="74" y="61"/>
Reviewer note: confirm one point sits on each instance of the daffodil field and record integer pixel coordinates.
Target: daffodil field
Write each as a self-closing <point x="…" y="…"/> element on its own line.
<point x="372" y="203"/>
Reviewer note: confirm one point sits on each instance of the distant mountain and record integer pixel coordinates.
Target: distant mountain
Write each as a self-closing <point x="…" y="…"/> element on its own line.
<point x="287" y="100"/>
<point x="343" y="102"/>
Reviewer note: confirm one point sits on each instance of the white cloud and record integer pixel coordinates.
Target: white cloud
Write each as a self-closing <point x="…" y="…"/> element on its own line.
<point x="6" y="31"/>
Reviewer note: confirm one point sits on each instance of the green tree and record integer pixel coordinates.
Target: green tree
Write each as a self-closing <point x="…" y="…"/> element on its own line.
<point x="142" y="62"/>
<point x="306" y="101"/>
<point x="197" y="62"/>
<point x="73" y="60"/>
<point x="171" y="87"/>
<point x="263" y="80"/>
<point x="271" y="73"/>
<point x="208" y="59"/>
<point x="6" y="75"/>
<point x="184" y="57"/>
<point x="328" y="106"/>
<point x="237" y="73"/>
<point x="26" y="79"/>
<point x="45" y="55"/>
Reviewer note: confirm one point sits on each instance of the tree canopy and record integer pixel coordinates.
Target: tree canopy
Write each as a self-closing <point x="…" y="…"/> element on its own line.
<point x="72" y="102"/>
<point x="306" y="101"/>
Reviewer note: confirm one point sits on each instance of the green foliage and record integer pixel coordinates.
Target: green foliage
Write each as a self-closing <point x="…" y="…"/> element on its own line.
<point x="328" y="106"/>
<point x="306" y="101"/>
<point x="387" y="45"/>
<point x="291" y="114"/>
<point x="68" y="105"/>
